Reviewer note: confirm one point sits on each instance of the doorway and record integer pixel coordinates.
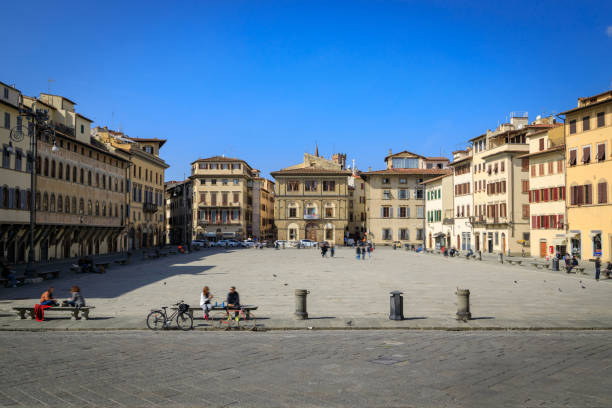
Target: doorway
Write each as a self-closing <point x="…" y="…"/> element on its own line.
<point x="311" y="231"/>
<point x="542" y="249"/>
<point x="477" y="242"/>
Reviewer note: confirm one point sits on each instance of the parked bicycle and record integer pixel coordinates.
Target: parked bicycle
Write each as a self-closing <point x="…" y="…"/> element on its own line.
<point x="159" y="319"/>
<point x="243" y="321"/>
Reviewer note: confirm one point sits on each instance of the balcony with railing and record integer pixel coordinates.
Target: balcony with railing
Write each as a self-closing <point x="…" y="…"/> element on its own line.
<point x="149" y="207"/>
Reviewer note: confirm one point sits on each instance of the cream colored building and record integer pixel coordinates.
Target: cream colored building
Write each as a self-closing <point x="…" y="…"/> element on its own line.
<point x="14" y="177"/>
<point x="357" y="206"/>
<point x="501" y="205"/>
<point x="80" y="186"/>
<point x="438" y="203"/>
<point x="263" y="208"/>
<point x="223" y="198"/>
<point x="395" y="198"/>
<point x="588" y="151"/>
<point x="461" y="214"/>
<point x="145" y="191"/>
<point x="312" y="200"/>
<point x="546" y="186"/>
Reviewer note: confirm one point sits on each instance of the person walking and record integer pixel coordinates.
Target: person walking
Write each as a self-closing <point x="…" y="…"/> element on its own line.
<point x="358" y="252"/>
<point x="597" y="268"/>
<point x="369" y="251"/>
<point x="205" y="298"/>
<point x="363" y="251"/>
<point x="332" y="251"/>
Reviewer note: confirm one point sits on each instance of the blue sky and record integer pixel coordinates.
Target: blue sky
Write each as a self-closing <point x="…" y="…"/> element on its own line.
<point x="264" y="80"/>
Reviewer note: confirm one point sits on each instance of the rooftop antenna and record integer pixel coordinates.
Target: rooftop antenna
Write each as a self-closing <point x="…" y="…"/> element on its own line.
<point x="49" y="85"/>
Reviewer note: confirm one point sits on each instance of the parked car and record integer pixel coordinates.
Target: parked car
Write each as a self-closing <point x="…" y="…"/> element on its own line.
<point x="247" y="243"/>
<point x="200" y="243"/>
<point x="307" y="243"/>
<point x="233" y="243"/>
<point x="223" y="243"/>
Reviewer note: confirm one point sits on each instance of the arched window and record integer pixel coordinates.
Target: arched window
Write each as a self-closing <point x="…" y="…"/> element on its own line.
<point x="81" y="206"/>
<point x="53" y="168"/>
<point x="104" y="181"/>
<point x="60" y="204"/>
<point x="89" y="177"/>
<point x="74" y="206"/>
<point x="67" y="172"/>
<point x="38" y="201"/>
<point x="45" y="205"/>
<point x="67" y="205"/>
<point x="74" y="174"/>
<point x="97" y="180"/>
<point x="116" y="185"/>
<point x="46" y="168"/>
<point x="89" y="207"/>
<point x="122" y="186"/>
<point x="38" y="165"/>
<point x="97" y="208"/>
<point x="52" y="203"/>
<point x="116" y="211"/>
<point x="103" y="209"/>
<point x="60" y="171"/>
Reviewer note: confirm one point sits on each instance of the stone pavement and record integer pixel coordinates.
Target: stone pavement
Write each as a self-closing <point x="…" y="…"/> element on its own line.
<point x="306" y="369"/>
<point x="345" y="292"/>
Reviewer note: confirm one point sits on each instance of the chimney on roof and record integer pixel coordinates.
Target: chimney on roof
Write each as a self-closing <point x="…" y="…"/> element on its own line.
<point x="369" y="168"/>
<point x="390" y="152"/>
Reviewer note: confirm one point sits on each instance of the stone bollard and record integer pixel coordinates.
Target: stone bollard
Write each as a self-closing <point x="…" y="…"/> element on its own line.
<point x="396" y="310"/>
<point x="463" y="304"/>
<point x="500" y="258"/>
<point x="301" y="312"/>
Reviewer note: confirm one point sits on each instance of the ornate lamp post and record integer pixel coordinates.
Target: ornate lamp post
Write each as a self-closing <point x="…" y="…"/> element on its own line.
<point x="38" y="119"/>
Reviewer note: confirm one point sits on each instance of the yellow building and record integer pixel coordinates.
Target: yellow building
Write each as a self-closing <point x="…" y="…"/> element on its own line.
<point x="145" y="192"/>
<point x="546" y="188"/>
<point x="14" y="178"/>
<point x="312" y="200"/>
<point x="395" y="198"/>
<point x="223" y="198"/>
<point x="588" y="141"/>
<point x="263" y="208"/>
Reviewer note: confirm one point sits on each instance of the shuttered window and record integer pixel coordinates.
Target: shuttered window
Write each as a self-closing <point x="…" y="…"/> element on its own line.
<point x="572" y="126"/>
<point x="602" y="193"/>
<point x="601" y="152"/>
<point x="586" y="123"/>
<point x="601" y="121"/>
<point x="586" y="154"/>
<point x="572" y="159"/>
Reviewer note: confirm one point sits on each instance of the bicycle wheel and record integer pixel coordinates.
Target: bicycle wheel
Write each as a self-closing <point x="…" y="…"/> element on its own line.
<point x="156" y="320"/>
<point x="224" y="323"/>
<point x="184" y="321"/>
<point x="250" y="324"/>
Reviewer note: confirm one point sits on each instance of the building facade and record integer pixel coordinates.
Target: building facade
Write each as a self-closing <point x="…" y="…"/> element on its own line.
<point x="223" y="198"/>
<point x="501" y="218"/>
<point x="462" y="214"/>
<point x="395" y="198"/>
<point x="312" y="200"/>
<point x="263" y="208"/>
<point x="546" y="186"/>
<point x="588" y="141"/>
<point x="438" y="202"/>
<point x="145" y="186"/>
<point x="178" y="209"/>
<point x="357" y="206"/>
<point x="15" y="187"/>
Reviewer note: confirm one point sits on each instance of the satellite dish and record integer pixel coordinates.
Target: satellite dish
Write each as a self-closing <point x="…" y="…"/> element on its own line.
<point x="17" y="134"/>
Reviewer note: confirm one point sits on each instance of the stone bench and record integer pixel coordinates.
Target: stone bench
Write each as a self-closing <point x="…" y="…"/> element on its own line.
<point x="152" y="255"/>
<point x="540" y="265"/>
<point x="74" y="311"/>
<point x="122" y="261"/>
<point x="514" y="261"/>
<point x="578" y="270"/>
<point x="247" y="309"/>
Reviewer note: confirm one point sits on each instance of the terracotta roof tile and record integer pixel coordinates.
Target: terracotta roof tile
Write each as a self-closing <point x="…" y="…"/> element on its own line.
<point x="408" y="171"/>
<point x="311" y="170"/>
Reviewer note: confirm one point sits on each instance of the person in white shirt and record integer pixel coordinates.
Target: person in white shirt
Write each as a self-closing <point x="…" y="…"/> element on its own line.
<point x="205" y="299"/>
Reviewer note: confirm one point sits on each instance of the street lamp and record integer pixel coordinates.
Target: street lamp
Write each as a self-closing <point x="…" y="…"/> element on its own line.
<point x="39" y="120"/>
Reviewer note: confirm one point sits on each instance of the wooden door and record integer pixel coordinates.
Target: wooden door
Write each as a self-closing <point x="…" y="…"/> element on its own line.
<point x="543" y="249"/>
<point x="311" y="232"/>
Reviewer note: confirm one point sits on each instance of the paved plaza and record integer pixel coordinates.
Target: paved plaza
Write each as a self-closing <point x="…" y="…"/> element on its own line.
<point x="307" y="369"/>
<point x="344" y="292"/>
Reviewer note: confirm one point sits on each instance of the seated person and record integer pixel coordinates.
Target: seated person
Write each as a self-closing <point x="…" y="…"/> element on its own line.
<point x="84" y="264"/>
<point x="469" y="253"/>
<point x="47" y="298"/>
<point x="233" y="300"/>
<point x="8" y="274"/>
<point x="205" y="298"/>
<point x="77" y="299"/>
<point x="608" y="270"/>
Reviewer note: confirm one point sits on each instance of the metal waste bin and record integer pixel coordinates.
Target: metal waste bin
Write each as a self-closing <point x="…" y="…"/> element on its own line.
<point x="463" y="304"/>
<point x="396" y="310"/>
<point x="301" y="312"/>
<point x="555" y="264"/>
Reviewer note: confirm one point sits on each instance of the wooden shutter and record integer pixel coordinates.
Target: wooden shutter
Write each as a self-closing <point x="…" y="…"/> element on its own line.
<point x="602" y="193"/>
<point x="572" y="160"/>
<point x="560" y="166"/>
<point x="541" y="143"/>
<point x="588" y="194"/>
<point x="601" y="152"/>
<point x="586" y="154"/>
<point x="533" y="170"/>
<point x="534" y="223"/>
